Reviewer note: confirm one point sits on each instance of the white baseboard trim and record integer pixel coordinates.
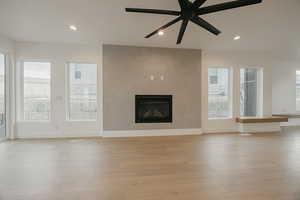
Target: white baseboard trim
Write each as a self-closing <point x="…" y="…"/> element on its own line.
<point x="3" y="139"/>
<point x="154" y="132"/>
<point x="233" y="130"/>
<point x="53" y="135"/>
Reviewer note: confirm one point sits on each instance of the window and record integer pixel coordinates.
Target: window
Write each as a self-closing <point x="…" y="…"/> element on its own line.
<point x="2" y="95"/>
<point x="297" y="90"/>
<point x="77" y="75"/>
<point x="219" y="93"/>
<point x="82" y="91"/>
<point x="250" y="92"/>
<point x="37" y="81"/>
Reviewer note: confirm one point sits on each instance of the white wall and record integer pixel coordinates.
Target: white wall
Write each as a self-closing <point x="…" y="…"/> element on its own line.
<point x="7" y="47"/>
<point x="284" y="85"/>
<point x="59" y="55"/>
<point x="235" y="60"/>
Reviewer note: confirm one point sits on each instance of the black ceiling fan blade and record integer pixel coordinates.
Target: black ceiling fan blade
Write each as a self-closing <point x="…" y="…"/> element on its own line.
<point x="182" y="30"/>
<point x="204" y="24"/>
<point x="164" y="27"/>
<point x="184" y="3"/>
<point x="198" y="3"/>
<point x="153" y="11"/>
<point x="226" y="6"/>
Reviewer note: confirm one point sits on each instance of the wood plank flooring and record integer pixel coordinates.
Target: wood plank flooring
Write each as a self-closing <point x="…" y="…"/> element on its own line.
<point x="208" y="167"/>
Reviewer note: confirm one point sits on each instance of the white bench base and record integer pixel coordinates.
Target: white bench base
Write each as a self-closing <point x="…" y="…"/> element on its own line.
<point x="259" y="127"/>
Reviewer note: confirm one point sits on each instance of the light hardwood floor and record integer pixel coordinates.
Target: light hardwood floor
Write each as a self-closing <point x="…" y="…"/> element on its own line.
<point x="208" y="167"/>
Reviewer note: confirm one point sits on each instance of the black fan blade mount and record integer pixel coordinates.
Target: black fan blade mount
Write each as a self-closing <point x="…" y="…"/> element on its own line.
<point x="153" y="11"/>
<point x="226" y="6"/>
<point x="182" y="30"/>
<point x="164" y="27"/>
<point x="204" y="24"/>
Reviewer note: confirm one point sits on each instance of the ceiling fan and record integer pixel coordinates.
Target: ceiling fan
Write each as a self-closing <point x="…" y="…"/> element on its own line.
<point x="191" y="12"/>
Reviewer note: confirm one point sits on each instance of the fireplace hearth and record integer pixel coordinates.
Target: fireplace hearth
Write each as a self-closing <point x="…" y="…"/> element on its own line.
<point x="153" y="109"/>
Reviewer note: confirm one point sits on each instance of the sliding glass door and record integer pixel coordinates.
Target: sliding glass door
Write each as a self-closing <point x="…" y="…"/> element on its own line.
<point x="2" y="97"/>
<point x="250" y="97"/>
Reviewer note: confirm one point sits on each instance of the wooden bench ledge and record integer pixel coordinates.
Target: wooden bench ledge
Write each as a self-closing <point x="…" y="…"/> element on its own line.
<point x="261" y="120"/>
<point x="287" y="115"/>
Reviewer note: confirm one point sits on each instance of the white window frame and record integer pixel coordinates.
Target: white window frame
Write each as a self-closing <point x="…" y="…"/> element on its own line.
<point x="230" y="97"/>
<point x="297" y="111"/>
<point x="6" y="95"/>
<point x="67" y="89"/>
<point x="260" y="90"/>
<point x="21" y="106"/>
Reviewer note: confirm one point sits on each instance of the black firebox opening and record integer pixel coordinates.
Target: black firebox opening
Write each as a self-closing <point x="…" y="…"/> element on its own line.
<point x="153" y="109"/>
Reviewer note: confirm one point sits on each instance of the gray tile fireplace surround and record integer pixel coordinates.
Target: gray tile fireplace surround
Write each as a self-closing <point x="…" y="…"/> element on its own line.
<point x="128" y="71"/>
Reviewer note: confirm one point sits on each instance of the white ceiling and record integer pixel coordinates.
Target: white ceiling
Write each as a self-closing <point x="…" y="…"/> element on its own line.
<point x="272" y="25"/>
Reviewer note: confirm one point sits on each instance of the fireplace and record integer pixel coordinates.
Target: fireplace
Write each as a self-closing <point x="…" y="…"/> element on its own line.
<point x="153" y="108"/>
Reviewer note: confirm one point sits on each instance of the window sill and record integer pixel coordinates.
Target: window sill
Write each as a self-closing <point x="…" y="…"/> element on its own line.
<point x="223" y="118"/>
<point x="92" y="120"/>
<point x="32" y="121"/>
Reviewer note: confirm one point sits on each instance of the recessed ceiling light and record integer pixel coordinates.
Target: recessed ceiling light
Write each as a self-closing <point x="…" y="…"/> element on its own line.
<point x="237" y="37"/>
<point x="73" y="28"/>
<point x="161" y="33"/>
